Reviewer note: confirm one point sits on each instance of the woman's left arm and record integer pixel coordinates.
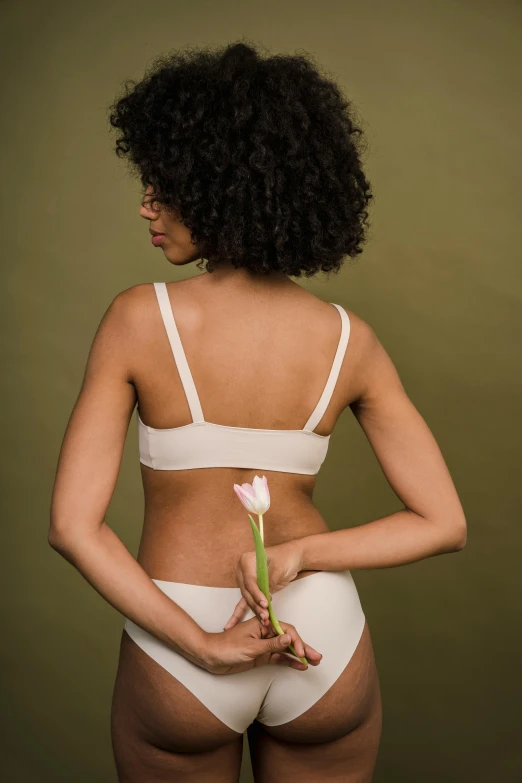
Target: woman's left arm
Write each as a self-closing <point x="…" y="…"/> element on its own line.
<point x="432" y="521"/>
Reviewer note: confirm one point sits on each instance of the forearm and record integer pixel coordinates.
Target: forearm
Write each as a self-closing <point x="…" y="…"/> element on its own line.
<point x="400" y="538"/>
<point x="106" y="563"/>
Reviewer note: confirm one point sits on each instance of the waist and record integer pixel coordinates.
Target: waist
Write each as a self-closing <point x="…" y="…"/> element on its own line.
<point x="204" y="549"/>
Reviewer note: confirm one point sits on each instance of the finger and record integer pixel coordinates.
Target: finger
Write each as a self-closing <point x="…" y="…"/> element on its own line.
<point x="254" y="608"/>
<point x="247" y="595"/>
<point x="237" y="614"/>
<point x="267" y="631"/>
<point x="281" y="659"/>
<point x="255" y="591"/>
<point x="312" y="655"/>
<point x="260" y="613"/>
<point x="297" y="642"/>
<point x="275" y="644"/>
<point x="256" y="598"/>
<point x="295" y="663"/>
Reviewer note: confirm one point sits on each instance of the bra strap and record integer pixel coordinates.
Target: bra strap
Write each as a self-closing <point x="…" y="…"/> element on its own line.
<point x="179" y="354"/>
<point x="326" y="396"/>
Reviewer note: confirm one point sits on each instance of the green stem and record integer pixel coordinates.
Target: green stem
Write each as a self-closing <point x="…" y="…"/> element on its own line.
<point x="263" y="583"/>
<point x="279" y="630"/>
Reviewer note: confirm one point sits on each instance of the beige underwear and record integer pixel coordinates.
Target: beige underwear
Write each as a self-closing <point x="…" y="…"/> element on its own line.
<point x="325" y="609"/>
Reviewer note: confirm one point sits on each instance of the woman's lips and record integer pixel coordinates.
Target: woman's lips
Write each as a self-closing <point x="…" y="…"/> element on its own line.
<point x="157" y="239"/>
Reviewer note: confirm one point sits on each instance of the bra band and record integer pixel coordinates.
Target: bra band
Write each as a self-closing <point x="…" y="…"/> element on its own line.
<point x="179" y="354"/>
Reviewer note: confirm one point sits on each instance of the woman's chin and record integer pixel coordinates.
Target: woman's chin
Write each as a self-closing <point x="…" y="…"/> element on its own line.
<point x="178" y="259"/>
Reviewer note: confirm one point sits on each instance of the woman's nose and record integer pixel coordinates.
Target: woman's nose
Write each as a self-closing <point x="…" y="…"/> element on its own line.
<point x="148" y="210"/>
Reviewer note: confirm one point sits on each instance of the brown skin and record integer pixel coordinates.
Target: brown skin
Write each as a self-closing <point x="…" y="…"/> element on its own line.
<point x="196" y="530"/>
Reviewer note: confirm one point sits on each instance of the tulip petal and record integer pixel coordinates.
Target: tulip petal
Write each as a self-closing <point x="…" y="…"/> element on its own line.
<point x="247" y="496"/>
<point x="260" y="486"/>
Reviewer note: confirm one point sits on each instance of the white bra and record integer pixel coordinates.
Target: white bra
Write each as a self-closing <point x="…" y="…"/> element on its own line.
<point x="202" y="444"/>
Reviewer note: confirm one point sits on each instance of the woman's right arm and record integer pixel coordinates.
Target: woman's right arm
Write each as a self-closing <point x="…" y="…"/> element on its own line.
<point x="87" y="471"/>
<point x="88" y="467"/>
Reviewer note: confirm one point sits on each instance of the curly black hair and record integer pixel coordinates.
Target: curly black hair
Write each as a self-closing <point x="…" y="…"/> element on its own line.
<point x="260" y="158"/>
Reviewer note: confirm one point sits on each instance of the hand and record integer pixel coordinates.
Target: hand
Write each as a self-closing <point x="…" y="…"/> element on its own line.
<point x="250" y="644"/>
<point x="284" y="563"/>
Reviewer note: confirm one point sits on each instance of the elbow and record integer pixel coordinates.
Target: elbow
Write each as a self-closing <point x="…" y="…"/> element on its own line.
<point x="56" y="539"/>
<point x="59" y="538"/>
<point x="69" y="539"/>
<point x="460" y="542"/>
<point x="455" y="535"/>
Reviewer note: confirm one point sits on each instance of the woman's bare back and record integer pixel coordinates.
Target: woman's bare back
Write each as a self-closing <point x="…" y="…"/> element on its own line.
<point x="260" y="359"/>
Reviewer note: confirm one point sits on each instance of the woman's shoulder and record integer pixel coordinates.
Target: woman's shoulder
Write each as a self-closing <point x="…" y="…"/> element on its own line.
<point x="134" y="308"/>
<point x="141" y="292"/>
<point x="137" y="300"/>
<point x="362" y="335"/>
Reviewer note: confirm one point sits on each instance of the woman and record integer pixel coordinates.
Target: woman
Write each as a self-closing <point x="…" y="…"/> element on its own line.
<point x="253" y="165"/>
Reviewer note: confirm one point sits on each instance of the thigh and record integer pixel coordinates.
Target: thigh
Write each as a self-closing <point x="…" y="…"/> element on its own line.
<point x="337" y="739"/>
<point x="161" y="732"/>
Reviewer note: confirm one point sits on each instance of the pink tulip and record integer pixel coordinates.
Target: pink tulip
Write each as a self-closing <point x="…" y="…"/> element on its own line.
<point x="255" y="497"/>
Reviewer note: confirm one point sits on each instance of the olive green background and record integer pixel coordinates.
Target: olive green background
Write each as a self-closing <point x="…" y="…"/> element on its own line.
<point x="437" y="87"/>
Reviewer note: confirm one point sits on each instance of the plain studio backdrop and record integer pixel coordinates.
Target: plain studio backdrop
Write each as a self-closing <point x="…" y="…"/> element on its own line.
<point x="437" y="84"/>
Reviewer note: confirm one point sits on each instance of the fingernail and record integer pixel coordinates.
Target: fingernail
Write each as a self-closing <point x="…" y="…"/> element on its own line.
<point x="285" y="639"/>
<point x="264" y="604"/>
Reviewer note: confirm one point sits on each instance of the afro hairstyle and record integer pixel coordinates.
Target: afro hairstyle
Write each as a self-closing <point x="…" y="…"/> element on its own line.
<point x="258" y="156"/>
